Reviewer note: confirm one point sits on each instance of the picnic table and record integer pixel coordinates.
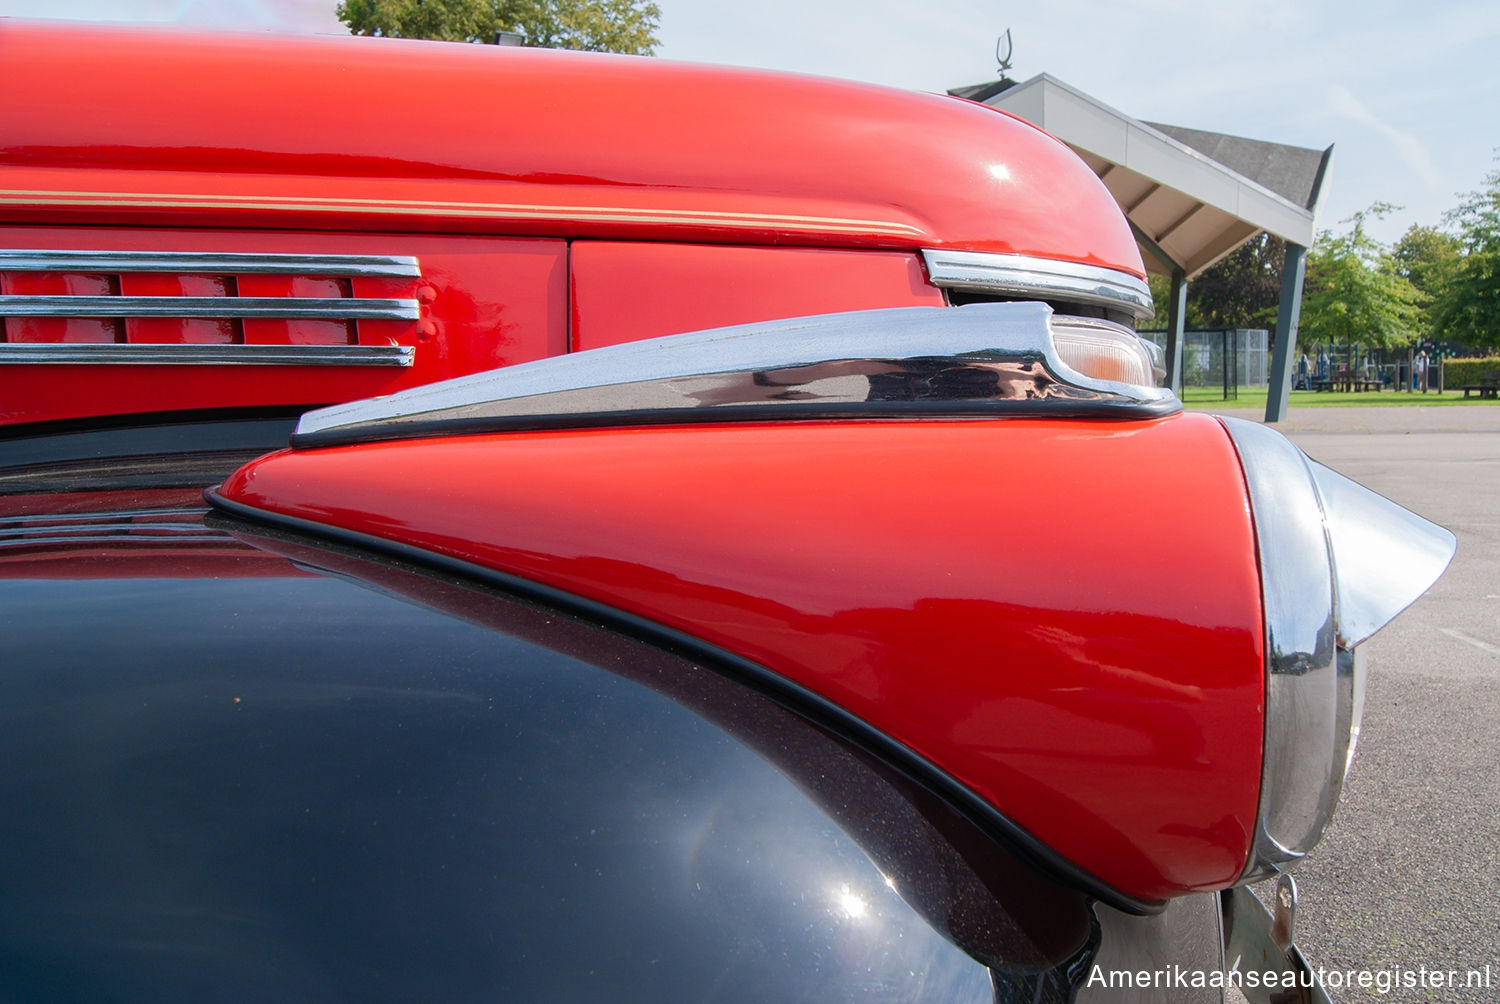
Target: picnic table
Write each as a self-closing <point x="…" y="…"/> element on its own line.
<point x="1346" y="381"/>
<point x="1487" y="386"/>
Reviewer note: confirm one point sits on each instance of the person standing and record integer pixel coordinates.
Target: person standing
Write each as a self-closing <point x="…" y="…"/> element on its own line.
<point x="1419" y="371"/>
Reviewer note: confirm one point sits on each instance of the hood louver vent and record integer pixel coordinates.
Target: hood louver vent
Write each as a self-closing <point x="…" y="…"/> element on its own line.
<point x="179" y="307"/>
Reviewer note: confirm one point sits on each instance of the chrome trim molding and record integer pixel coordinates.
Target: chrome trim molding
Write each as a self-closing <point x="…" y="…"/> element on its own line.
<point x="1299" y="783"/>
<point x="276" y="307"/>
<point x="978" y="360"/>
<point x="1337" y="563"/>
<point x="1385" y="556"/>
<point x="161" y="354"/>
<point x="98" y="516"/>
<point x="54" y="533"/>
<point x="90" y="526"/>
<point x="210" y="263"/>
<point x="114" y="537"/>
<point x="1032" y="278"/>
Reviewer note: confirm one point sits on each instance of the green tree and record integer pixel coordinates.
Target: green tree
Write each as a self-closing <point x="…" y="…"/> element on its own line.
<point x="1161" y="298"/>
<point x="1354" y="292"/>
<point x="1469" y="309"/>
<point x="627" y="26"/>
<point x="1242" y="289"/>
<point x="1429" y="259"/>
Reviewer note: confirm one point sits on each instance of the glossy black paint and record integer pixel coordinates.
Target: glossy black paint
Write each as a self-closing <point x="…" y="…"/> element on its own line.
<point x="302" y="787"/>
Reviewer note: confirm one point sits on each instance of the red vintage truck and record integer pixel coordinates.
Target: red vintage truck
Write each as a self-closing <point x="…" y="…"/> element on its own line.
<point x="486" y="523"/>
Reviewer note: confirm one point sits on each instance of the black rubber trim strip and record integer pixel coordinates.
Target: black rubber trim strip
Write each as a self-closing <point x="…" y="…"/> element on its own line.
<point x="793" y="696"/>
<point x="139" y="419"/>
<point x="385" y="430"/>
<point x="257" y="431"/>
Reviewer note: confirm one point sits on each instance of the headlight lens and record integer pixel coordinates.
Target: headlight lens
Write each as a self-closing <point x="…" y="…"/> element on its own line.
<point x="1102" y="350"/>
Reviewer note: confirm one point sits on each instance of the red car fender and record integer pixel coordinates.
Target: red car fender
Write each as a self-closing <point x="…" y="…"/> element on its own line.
<point x="999" y="602"/>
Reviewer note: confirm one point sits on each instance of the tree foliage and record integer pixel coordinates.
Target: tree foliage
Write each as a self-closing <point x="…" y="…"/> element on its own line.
<point x="1241" y="290"/>
<point x="1161" y="297"/>
<point x="627" y="26"/>
<point x="1428" y="258"/>
<point x="1469" y="307"/>
<point x="1354" y="292"/>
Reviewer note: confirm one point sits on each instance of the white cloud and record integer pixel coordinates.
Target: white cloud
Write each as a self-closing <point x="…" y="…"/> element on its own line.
<point x="1412" y="151"/>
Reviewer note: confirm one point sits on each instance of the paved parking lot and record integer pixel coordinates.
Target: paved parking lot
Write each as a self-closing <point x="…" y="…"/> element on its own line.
<point x="1409" y="874"/>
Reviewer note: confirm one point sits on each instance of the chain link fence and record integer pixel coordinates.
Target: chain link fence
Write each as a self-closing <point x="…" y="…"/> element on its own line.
<point x="1227" y="358"/>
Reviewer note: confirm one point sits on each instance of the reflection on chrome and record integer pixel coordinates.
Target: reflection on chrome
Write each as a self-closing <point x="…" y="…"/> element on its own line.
<point x="981" y="360"/>
<point x="849" y="903"/>
<point x="1030" y="278"/>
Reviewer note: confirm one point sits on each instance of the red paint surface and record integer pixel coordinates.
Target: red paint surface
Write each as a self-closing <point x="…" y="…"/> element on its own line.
<point x="1063" y="615"/>
<point x="182" y="331"/>
<point x="622" y="292"/>
<point x="53" y="329"/>
<point x="125" y="125"/>
<point x="494" y="302"/>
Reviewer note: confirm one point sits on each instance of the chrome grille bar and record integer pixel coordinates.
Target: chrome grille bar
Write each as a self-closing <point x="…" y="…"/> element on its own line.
<point x="161" y="354"/>
<point x="90" y="529"/>
<point x="277" y="307"/>
<point x="130" y="539"/>
<point x="98" y="516"/>
<point x="1030" y="278"/>
<point x="193" y="262"/>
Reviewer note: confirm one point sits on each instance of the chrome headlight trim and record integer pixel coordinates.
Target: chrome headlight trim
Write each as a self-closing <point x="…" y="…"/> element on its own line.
<point x="1337" y="563"/>
<point x="1031" y="278"/>
<point x="1303" y="758"/>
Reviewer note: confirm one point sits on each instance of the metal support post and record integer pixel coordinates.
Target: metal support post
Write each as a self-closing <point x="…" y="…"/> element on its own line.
<point x="1287" y="313"/>
<point x="1176" y="320"/>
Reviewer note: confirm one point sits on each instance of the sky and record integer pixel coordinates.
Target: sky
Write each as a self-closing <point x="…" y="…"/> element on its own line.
<point x="1408" y="94"/>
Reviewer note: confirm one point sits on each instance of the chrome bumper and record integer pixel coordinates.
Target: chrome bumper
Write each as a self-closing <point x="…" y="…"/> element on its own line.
<point x="1258" y="946"/>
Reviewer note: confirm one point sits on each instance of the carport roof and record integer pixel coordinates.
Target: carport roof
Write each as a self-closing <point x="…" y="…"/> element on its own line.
<point x="1191" y="196"/>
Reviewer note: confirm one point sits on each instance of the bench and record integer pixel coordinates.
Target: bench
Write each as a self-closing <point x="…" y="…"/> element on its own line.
<point x="1488" y="385"/>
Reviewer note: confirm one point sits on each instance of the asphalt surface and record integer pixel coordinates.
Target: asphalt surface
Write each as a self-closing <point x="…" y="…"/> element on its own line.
<point x="1408" y="875"/>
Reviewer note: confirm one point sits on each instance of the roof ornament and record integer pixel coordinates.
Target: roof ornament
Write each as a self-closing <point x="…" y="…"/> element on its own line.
<point x="1004" y="41"/>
